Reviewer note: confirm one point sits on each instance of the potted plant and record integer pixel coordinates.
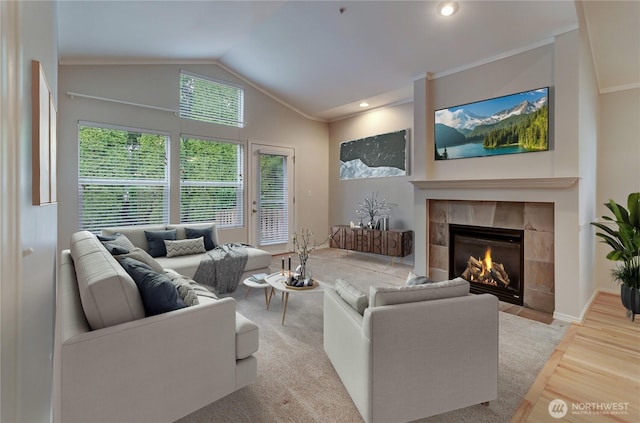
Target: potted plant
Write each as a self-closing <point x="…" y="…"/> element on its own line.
<point x="625" y="248"/>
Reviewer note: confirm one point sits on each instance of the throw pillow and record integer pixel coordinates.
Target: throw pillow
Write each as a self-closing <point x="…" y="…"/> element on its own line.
<point x="144" y="257"/>
<point x="185" y="287"/>
<point x="158" y="293"/>
<point x="206" y="232"/>
<point x="352" y="295"/>
<point x="185" y="247"/>
<point x="116" y="244"/>
<point x="414" y="279"/>
<point x="155" y="240"/>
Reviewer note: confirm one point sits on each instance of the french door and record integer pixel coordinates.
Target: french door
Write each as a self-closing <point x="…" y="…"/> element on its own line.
<point x="272" y="198"/>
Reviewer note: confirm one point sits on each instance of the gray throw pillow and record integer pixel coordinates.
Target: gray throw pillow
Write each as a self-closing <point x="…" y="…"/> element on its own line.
<point x="206" y="232"/>
<point x="158" y="293"/>
<point x="144" y="257"/>
<point x="116" y="244"/>
<point x="414" y="279"/>
<point x="352" y="295"/>
<point x="155" y="240"/>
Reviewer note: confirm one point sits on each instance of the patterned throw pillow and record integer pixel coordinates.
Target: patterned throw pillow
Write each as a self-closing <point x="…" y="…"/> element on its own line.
<point x="184" y="247"/>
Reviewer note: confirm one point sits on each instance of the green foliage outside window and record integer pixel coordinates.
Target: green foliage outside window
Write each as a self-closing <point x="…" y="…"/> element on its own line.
<point x="122" y="178"/>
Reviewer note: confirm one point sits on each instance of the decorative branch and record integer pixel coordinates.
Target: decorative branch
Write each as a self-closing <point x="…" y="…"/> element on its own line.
<point x="372" y="207"/>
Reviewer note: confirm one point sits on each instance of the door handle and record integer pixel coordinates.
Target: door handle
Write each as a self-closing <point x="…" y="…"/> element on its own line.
<point x="254" y="210"/>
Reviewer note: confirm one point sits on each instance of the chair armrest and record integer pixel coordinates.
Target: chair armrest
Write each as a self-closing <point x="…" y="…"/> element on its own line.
<point x="444" y="355"/>
<point x="154" y="369"/>
<point x="348" y="349"/>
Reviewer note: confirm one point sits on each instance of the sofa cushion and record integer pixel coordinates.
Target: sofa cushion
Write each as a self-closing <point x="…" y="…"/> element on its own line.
<point x="108" y="294"/>
<point x="184" y="247"/>
<point x="205" y="232"/>
<point x="155" y="241"/>
<point x="134" y="233"/>
<point x="247" y="337"/>
<point x="352" y="295"/>
<point x="380" y="296"/>
<point x="141" y="255"/>
<point x="158" y="293"/>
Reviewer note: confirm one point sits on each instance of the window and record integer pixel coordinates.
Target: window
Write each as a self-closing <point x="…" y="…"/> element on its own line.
<point x="211" y="181"/>
<point x="207" y="100"/>
<point x="123" y="178"/>
<point x="274" y="194"/>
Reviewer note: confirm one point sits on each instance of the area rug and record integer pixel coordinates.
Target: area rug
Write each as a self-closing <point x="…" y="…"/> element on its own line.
<point x="297" y="383"/>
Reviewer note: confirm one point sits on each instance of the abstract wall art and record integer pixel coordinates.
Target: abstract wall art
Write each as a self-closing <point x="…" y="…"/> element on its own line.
<point x="375" y="157"/>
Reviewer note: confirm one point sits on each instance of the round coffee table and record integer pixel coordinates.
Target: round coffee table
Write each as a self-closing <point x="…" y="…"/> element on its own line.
<point x="276" y="281"/>
<point x="261" y="285"/>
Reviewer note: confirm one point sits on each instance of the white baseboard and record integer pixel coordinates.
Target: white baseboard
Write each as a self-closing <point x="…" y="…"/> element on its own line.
<point x="573" y="319"/>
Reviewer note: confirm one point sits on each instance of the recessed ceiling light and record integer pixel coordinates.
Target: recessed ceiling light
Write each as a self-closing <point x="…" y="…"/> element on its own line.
<point x="448" y="8"/>
<point x="364" y="104"/>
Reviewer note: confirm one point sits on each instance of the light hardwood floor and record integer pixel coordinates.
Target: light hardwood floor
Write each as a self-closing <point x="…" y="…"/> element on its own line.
<point x="595" y="366"/>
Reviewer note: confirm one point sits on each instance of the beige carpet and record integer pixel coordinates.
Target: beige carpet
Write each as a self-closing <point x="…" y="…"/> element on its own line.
<point x="296" y="382"/>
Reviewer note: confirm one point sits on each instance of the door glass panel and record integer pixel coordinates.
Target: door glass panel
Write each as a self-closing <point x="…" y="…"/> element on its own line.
<point x="273" y="200"/>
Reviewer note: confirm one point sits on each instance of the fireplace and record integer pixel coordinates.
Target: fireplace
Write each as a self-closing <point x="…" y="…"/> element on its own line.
<point x="491" y="259"/>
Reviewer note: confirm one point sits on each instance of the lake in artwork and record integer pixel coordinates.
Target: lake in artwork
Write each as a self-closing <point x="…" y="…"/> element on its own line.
<point x="516" y="123"/>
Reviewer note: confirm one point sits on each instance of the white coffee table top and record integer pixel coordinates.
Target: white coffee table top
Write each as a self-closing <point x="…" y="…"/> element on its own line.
<point x="276" y="280"/>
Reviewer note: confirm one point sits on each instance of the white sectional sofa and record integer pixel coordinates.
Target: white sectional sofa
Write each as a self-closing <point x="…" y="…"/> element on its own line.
<point x="113" y="364"/>
<point x="416" y="351"/>
<point x="257" y="262"/>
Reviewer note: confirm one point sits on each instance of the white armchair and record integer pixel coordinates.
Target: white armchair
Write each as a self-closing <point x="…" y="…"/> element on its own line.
<point x="407" y="361"/>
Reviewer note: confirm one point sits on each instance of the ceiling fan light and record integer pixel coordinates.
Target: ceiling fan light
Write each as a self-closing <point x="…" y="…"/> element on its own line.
<point x="448" y="8"/>
<point x="364" y="104"/>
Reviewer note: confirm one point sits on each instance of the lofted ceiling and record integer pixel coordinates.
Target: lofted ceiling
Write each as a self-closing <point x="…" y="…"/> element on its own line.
<point x="322" y="58"/>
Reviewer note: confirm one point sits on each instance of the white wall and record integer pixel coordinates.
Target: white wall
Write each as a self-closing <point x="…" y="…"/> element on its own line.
<point x="28" y="301"/>
<point x="268" y="122"/>
<point x="345" y="195"/>
<point x="618" y="164"/>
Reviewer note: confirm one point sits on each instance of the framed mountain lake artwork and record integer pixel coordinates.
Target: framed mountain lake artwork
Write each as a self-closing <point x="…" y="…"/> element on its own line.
<point x="515" y="123"/>
<point x="375" y="157"/>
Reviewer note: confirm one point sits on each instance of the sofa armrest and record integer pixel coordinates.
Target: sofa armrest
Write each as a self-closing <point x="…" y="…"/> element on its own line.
<point x="154" y="369"/>
<point x="348" y="349"/>
<point x="437" y="355"/>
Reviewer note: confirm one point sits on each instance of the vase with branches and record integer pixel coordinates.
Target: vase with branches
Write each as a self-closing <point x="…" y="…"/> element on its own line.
<point x="304" y="244"/>
<point x="373" y="207"/>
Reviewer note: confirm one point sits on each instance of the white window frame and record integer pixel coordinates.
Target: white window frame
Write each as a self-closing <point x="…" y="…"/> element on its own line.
<point x="165" y="182"/>
<point x="215" y="116"/>
<point x="239" y="184"/>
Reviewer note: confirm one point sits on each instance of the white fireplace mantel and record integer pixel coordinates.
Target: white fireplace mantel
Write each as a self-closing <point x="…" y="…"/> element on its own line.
<point x="515" y="183"/>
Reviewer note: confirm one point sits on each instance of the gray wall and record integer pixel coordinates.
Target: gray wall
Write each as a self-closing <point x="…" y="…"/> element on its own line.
<point x="28" y="300"/>
<point x="268" y="122"/>
<point x="346" y="194"/>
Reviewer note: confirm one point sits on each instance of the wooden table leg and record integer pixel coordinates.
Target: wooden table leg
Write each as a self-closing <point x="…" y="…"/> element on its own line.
<point x="284" y="308"/>
<point x="246" y="293"/>
<point x="266" y="300"/>
<point x="270" y="295"/>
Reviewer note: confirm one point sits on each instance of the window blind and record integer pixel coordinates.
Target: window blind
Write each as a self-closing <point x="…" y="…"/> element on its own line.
<point x="123" y="177"/>
<point x="212" y="101"/>
<point x="274" y="193"/>
<point x="211" y="181"/>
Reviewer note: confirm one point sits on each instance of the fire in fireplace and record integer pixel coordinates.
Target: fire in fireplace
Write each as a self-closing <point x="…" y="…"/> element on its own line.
<point x="491" y="259"/>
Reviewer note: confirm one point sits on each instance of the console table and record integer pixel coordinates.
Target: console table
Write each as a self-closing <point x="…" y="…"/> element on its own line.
<point x="394" y="242"/>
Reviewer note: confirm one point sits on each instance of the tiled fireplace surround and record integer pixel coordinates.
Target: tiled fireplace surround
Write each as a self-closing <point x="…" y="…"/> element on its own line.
<point x="537" y="221"/>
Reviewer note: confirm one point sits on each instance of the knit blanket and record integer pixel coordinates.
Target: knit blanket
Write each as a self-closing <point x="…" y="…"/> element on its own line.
<point x="222" y="268"/>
